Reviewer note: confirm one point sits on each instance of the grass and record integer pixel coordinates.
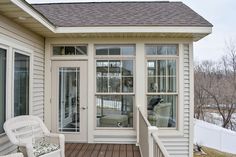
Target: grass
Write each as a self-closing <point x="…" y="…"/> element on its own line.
<point x="214" y="153"/>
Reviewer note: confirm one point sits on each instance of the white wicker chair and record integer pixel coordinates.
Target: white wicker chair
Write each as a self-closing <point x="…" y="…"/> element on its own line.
<point x="13" y="155"/>
<point x="33" y="138"/>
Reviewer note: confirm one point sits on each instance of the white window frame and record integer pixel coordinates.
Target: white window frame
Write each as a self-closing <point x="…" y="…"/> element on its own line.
<point x="11" y="49"/>
<point x="121" y="58"/>
<point x="7" y="101"/>
<point x="178" y="127"/>
<point x="30" y="55"/>
<point x="69" y="57"/>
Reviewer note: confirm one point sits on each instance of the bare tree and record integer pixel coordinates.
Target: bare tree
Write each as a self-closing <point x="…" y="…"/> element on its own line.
<point x="201" y="98"/>
<point x="215" y="85"/>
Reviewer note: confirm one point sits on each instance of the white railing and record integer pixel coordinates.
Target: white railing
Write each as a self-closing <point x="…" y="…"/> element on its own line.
<point x="149" y="143"/>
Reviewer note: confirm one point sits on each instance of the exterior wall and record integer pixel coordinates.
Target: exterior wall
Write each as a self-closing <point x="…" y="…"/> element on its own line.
<point x="182" y="145"/>
<point x="178" y="142"/>
<point x="13" y="36"/>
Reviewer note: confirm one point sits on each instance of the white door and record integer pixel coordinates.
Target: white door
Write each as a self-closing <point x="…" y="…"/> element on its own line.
<point x="69" y="99"/>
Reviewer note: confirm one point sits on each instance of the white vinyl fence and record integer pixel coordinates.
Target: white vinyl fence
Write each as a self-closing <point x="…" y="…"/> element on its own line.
<point x="213" y="136"/>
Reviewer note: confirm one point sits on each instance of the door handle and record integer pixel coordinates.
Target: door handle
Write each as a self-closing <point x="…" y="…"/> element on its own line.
<point x="83" y="108"/>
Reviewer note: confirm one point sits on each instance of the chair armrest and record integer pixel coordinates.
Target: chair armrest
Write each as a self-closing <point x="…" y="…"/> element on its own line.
<point x="61" y="137"/>
<point x="61" y="142"/>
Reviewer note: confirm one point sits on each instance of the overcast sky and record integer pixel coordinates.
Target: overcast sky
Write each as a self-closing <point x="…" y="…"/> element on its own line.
<point x="221" y="13"/>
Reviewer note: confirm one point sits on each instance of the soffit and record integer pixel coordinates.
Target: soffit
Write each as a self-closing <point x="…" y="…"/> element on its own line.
<point x="16" y="14"/>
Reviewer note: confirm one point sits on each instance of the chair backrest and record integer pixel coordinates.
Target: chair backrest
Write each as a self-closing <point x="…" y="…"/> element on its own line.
<point x="162" y="111"/>
<point x="23" y="129"/>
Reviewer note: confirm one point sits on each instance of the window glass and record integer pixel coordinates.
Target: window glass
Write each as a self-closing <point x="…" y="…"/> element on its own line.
<point x="69" y="99"/>
<point x="101" y="51"/>
<point x="114" y="111"/>
<point x="127" y="84"/>
<point x="151" y="50"/>
<point x="114" y="94"/>
<point x="127" y="68"/>
<point x="81" y="50"/>
<point x="114" y="76"/>
<point x="128" y="50"/>
<point x="21" y="84"/>
<point x="2" y="88"/>
<point x="70" y="50"/>
<point x="115" y="50"/>
<point x="162" y="114"/>
<point x="162" y="85"/>
<point x="161" y="50"/>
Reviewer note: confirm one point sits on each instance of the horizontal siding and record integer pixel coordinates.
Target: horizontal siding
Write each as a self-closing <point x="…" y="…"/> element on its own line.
<point x="178" y="146"/>
<point x="13" y="33"/>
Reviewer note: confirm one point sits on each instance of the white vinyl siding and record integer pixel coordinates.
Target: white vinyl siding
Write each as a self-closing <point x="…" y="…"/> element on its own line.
<point x="15" y="37"/>
<point x="178" y="146"/>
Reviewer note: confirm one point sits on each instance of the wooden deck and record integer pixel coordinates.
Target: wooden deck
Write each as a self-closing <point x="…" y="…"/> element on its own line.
<point x="101" y="150"/>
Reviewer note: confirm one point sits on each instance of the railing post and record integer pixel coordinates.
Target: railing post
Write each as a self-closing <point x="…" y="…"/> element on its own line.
<point x="151" y="129"/>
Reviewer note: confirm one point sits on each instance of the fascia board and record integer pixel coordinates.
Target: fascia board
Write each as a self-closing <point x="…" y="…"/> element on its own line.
<point x="134" y="29"/>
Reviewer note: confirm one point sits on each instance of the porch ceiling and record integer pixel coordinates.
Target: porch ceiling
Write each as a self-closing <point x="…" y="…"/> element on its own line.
<point x="24" y="14"/>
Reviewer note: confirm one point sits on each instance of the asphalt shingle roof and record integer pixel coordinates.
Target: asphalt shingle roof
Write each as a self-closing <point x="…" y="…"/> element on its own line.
<point x="121" y="14"/>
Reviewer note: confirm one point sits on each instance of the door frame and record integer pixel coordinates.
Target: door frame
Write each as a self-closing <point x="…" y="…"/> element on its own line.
<point x="81" y="136"/>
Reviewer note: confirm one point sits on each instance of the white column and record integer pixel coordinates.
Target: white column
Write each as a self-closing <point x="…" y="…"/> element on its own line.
<point x="140" y="82"/>
<point x="91" y="90"/>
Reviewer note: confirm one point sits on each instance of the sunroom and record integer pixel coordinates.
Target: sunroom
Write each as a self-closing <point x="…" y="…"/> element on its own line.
<point x="104" y="79"/>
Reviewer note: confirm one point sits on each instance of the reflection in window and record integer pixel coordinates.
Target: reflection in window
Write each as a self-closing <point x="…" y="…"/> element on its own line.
<point x="124" y="50"/>
<point x="114" y="111"/>
<point x="2" y="88"/>
<point x="114" y="76"/>
<point x="21" y="84"/>
<point x="161" y="76"/>
<point x="70" y="50"/>
<point x="162" y="85"/>
<point x="162" y="110"/>
<point x="161" y="50"/>
<point x="114" y="85"/>
<point x="69" y="99"/>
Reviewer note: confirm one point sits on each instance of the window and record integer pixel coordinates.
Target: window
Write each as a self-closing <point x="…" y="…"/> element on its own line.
<point x="162" y="93"/>
<point x="21" y="84"/>
<point x="115" y="85"/>
<point x="2" y="88"/>
<point x="70" y="50"/>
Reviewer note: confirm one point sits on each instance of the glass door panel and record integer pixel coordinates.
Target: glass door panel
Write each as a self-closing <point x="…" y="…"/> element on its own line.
<point x="69" y="99"/>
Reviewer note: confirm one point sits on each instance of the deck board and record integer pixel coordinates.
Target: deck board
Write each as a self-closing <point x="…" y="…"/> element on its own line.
<point x="96" y="150"/>
<point x="136" y="151"/>
<point x="76" y="150"/>
<point x="101" y="150"/>
<point x="116" y="150"/>
<point x="109" y="150"/>
<point x="123" y="150"/>
<point x="129" y="149"/>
